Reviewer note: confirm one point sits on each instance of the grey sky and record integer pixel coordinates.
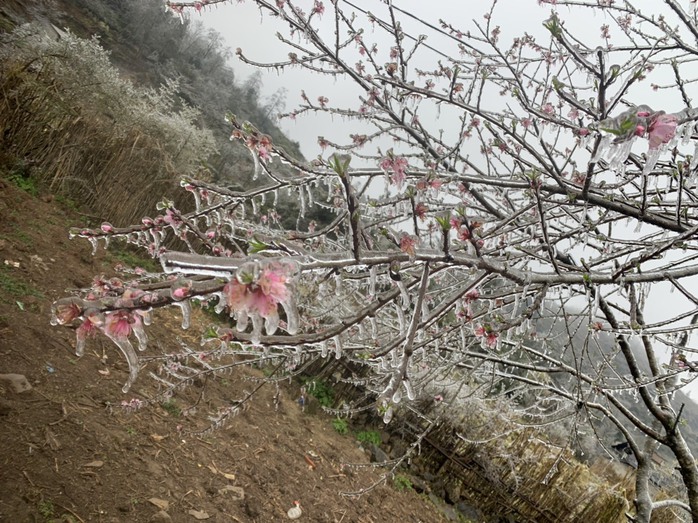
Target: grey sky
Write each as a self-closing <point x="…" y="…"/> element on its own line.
<point x="243" y="26"/>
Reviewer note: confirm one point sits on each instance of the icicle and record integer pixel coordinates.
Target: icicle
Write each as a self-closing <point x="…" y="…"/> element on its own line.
<point x="80" y="344"/>
<point x="409" y="389"/>
<point x="131" y="357"/>
<point x="292" y="316"/>
<point x="186" y="312"/>
<point x="256" y="336"/>
<point x="372" y="275"/>
<point x="276" y="198"/>
<point x="271" y="323"/>
<point x="156" y="240"/>
<point x="374" y="327"/>
<point x="597" y="299"/>
<point x="687" y="133"/>
<point x="147" y="316"/>
<point x="218" y="308"/>
<point x="241" y="323"/>
<point x="93" y="242"/>
<point x="603" y="148"/>
<point x="257" y="166"/>
<point x="388" y="415"/>
<point x="401" y="320"/>
<point x="311" y="199"/>
<point x="652" y="158"/>
<point x="403" y="293"/>
<point x="255" y="209"/>
<point x="397" y="396"/>
<point x="323" y="348"/>
<point x="338" y="282"/>
<point x="618" y="154"/>
<point x="139" y="332"/>
<point x="337" y="347"/>
<point x="694" y="159"/>
<point x="301" y="194"/>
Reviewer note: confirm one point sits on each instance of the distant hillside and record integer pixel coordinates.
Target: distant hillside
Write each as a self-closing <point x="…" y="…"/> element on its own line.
<point x="151" y="47"/>
<point x="154" y="49"/>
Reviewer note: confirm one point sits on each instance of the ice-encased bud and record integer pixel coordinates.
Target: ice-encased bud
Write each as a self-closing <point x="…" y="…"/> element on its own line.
<point x="66" y="310"/>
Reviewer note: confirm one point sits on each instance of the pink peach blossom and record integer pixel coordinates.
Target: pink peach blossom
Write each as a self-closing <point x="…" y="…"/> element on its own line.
<point x="408" y="244"/>
<point x="262" y="295"/>
<point x="662" y="130"/>
<point x="118" y="324"/>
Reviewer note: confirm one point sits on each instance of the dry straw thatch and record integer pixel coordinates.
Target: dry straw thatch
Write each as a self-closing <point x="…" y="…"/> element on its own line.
<point x="83" y="130"/>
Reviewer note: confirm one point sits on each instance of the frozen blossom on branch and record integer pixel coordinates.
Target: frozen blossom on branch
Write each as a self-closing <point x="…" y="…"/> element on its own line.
<point x="658" y="127"/>
<point x="256" y="292"/>
<point x="395" y="167"/>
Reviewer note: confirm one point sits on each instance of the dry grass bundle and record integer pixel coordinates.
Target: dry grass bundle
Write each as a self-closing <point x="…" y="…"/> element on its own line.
<point x="89" y="133"/>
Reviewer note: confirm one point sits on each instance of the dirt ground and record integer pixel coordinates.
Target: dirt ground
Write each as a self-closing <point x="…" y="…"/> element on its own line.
<point x="69" y="453"/>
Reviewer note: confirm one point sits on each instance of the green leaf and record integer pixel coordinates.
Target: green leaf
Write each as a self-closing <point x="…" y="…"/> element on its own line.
<point x="257" y="246"/>
<point x="444" y="222"/>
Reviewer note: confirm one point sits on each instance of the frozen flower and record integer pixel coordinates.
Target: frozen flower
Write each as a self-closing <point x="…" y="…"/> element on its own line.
<point x="117" y="324"/>
<point x="171" y="218"/>
<point x="93" y="320"/>
<point x="258" y="290"/>
<point x="396" y="167"/>
<point x="263" y="154"/>
<point x="271" y="291"/>
<point x="463" y="233"/>
<point x="472" y="295"/>
<point x="489" y="336"/>
<point x="181" y="288"/>
<point x="408" y="244"/>
<point x="662" y="130"/>
<point x="66" y="310"/>
<point x="318" y="8"/>
<point x="420" y="211"/>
